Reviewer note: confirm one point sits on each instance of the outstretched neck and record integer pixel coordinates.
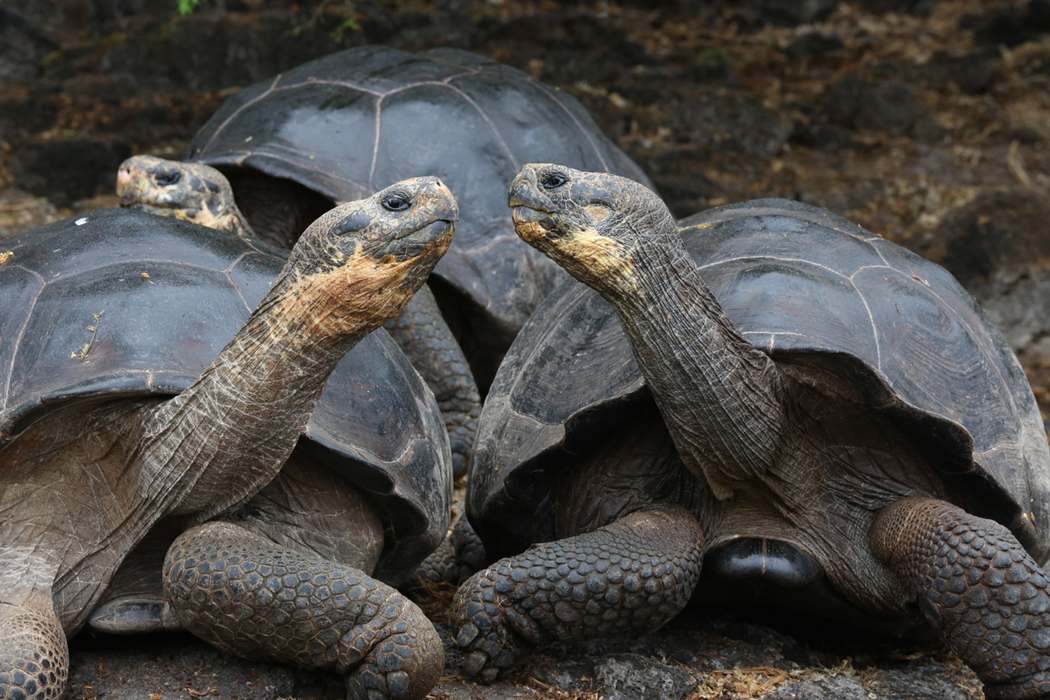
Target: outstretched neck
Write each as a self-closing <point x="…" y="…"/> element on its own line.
<point x="229" y="434"/>
<point x="719" y="396"/>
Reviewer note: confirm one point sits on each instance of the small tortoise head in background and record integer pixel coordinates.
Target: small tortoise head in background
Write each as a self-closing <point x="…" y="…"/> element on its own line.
<point x="590" y="223"/>
<point x="192" y="192"/>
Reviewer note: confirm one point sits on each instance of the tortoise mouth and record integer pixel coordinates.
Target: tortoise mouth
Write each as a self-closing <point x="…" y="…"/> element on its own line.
<point x="524" y="214"/>
<point x="434" y="237"/>
<point x="431" y="232"/>
<point x="129" y="189"/>
<point x="531" y="223"/>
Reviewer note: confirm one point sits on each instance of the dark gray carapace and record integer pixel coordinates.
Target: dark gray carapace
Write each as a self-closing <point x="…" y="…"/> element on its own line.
<point x="348" y="124"/>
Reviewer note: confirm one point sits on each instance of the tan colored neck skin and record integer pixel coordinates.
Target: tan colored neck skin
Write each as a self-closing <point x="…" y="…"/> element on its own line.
<point x="228" y="435"/>
<point x="719" y="396"/>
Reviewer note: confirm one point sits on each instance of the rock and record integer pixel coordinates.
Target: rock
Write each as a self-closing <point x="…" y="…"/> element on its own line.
<point x="179" y="667"/>
<point x="914" y="7"/>
<point x="974" y="73"/>
<point x="65" y="170"/>
<point x="22" y="46"/>
<point x="997" y="238"/>
<point x="900" y="683"/>
<point x="1010" y="24"/>
<point x="634" y="677"/>
<point x="998" y="249"/>
<point x="838" y="687"/>
<point x="793" y="12"/>
<point x="709" y="65"/>
<point x="574" y="46"/>
<point x="20" y="210"/>
<point x="814" y="44"/>
<point x="210" y="50"/>
<point x="685" y="189"/>
<point x="888" y="106"/>
<point x="731" y="120"/>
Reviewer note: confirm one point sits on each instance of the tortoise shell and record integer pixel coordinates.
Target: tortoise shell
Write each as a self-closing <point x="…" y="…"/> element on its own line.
<point x="808" y="287"/>
<point x="358" y="120"/>
<point x="125" y="304"/>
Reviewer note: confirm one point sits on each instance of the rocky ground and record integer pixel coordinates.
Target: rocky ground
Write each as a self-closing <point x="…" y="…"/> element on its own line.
<point x="927" y="121"/>
<point x="704" y="655"/>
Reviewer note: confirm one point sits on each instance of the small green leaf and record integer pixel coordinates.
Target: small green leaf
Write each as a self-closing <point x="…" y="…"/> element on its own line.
<point x="350" y="24"/>
<point x="186" y="7"/>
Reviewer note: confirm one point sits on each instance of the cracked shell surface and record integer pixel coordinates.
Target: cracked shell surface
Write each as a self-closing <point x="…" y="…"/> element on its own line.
<point x="358" y="120"/>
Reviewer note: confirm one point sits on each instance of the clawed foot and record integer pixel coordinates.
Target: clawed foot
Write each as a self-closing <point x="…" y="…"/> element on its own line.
<point x="254" y="598"/>
<point x="631" y="576"/>
<point x="404" y="664"/>
<point x="459" y="555"/>
<point x="492" y="634"/>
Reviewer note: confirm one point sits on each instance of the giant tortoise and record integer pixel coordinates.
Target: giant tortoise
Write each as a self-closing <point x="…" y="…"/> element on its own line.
<point x="772" y="391"/>
<point x="122" y="414"/>
<point x="202" y="195"/>
<point x="344" y="125"/>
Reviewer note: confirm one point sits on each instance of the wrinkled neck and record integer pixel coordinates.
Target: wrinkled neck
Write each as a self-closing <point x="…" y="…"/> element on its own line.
<point x="719" y="396"/>
<point x="227" y="435"/>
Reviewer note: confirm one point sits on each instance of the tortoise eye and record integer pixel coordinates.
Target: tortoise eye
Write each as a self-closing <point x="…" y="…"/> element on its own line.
<point x="396" y="202"/>
<point x="552" y="180"/>
<point x="167" y="178"/>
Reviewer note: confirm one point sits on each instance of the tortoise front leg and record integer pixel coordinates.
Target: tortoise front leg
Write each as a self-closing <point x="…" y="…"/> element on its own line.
<point x="630" y="576"/>
<point x="423" y="335"/>
<point x="241" y="592"/>
<point x="977" y="587"/>
<point x="34" y="656"/>
<point x="458" y="556"/>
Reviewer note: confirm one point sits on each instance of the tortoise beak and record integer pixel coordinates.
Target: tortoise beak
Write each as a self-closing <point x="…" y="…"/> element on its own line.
<point x="527" y="215"/>
<point x="437" y="200"/>
<point x="522" y="191"/>
<point x="447" y="206"/>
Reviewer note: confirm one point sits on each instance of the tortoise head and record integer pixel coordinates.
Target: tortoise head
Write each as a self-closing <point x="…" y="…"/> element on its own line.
<point x="592" y="224"/>
<point x="189" y="191"/>
<point x="359" y="264"/>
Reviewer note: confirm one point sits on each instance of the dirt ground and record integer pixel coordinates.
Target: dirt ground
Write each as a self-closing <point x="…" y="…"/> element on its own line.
<point x="926" y="121"/>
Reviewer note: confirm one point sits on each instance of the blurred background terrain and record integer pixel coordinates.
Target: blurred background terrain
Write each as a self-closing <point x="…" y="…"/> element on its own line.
<point x="927" y="121"/>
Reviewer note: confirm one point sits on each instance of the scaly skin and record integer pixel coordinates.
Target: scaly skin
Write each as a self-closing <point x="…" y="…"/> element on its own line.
<point x="279" y="211"/>
<point x="296" y="607"/>
<point x="977" y="587"/>
<point x="34" y="657"/>
<point x="631" y="576"/>
<point x="425" y="338"/>
<point x="458" y="556"/>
